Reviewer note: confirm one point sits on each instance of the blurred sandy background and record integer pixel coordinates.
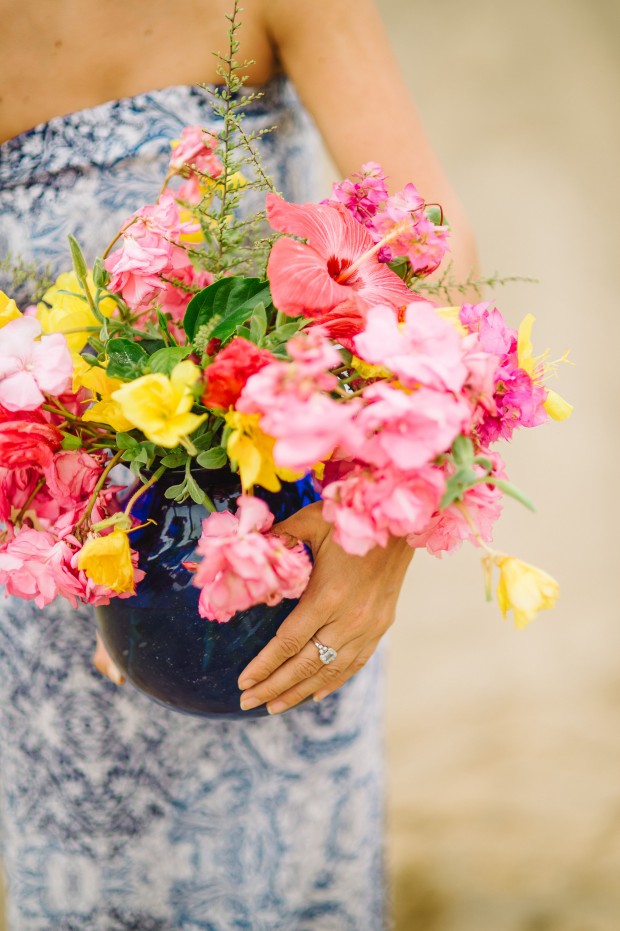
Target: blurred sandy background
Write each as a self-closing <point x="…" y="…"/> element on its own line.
<point x="505" y="746"/>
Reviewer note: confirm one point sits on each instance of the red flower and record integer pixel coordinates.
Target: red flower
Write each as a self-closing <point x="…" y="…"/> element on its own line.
<point x="27" y="443"/>
<point x="232" y="367"/>
<point x="305" y="277"/>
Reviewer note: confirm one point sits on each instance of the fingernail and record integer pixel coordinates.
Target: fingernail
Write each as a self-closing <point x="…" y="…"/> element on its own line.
<point x="116" y="676"/>
<point x="320" y="696"/>
<point x="276" y="707"/>
<point x="248" y="703"/>
<point x="246" y="684"/>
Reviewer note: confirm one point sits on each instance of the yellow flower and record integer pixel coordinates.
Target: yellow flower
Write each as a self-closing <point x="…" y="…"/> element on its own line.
<point x="451" y="314"/>
<point x="160" y="406"/>
<point x="104" y="409"/>
<point x="525" y="589"/>
<point x="367" y="370"/>
<point x="66" y="313"/>
<point x="537" y="369"/>
<point x="107" y="561"/>
<point x="8" y="309"/>
<point x="252" y="450"/>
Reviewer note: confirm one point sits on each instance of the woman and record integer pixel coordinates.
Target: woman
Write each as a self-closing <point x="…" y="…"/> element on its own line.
<point x="116" y="813"/>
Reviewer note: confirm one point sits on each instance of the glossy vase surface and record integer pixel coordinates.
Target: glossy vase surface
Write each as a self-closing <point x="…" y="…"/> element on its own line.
<point x="157" y="638"/>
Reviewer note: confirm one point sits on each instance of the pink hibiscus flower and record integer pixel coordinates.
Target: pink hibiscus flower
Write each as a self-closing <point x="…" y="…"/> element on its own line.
<point x="339" y="259"/>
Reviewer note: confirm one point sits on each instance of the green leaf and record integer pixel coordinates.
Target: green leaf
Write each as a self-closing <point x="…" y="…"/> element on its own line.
<point x="191" y="487"/>
<point x="399" y="265"/>
<point x="456" y="486"/>
<point x="435" y="214"/>
<point x="165" y="329"/>
<point x="174" y="459"/>
<point x="258" y="323"/>
<point x="126" y="359"/>
<point x="203" y="440"/>
<point x="226" y="303"/>
<point x="214" y="458"/>
<point x="164" y="360"/>
<point x="174" y="490"/>
<point x="125" y="441"/>
<point x="70" y="442"/>
<point x="509" y="489"/>
<point x="463" y="450"/>
<point x="151" y="346"/>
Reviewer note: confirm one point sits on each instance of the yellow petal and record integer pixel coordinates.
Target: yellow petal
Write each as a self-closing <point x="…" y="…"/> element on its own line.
<point x="451" y="314"/>
<point x="524" y="343"/>
<point x="107" y="412"/>
<point x="107" y="561"/>
<point x="525" y="589"/>
<point x="557" y="407"/>
<point x="8" y="309"/>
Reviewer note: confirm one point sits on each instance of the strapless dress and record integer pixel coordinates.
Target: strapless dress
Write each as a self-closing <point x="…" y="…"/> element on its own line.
<point x="114" y="812"/>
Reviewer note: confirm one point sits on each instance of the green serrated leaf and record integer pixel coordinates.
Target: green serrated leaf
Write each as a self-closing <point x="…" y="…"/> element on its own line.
<point x="126" y="359"/>
<point x="164" y="360"/>
<point x="214" y="458"/>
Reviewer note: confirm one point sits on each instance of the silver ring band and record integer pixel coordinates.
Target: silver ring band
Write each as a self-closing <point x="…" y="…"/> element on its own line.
<point x="327" y="654"/>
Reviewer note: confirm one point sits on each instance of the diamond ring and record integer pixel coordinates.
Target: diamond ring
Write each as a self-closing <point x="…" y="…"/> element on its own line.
<point x="326" y="653"/>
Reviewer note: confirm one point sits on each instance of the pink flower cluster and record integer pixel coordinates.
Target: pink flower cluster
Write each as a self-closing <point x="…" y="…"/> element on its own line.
<point x="45" y="490"/>
<point x="509" y="398"/>
<point x="32" y="365"/>
<point x="244" y="565"/>
<point x="401" y="217"/>
<point x="196" y="150"/>
<point x="152" y="266"/>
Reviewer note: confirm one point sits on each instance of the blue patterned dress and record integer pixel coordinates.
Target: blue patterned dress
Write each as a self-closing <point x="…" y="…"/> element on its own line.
<point x="114" y="812"/>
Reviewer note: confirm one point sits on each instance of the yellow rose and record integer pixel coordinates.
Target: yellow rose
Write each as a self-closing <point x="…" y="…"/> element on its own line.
<point x="66" y="313"/>
<point x="107" y="561"/>
<point x="160" y="406"/>
<point x="104" y="409"/>
<point x="252" y="450"/>
<point x="525" y="589"/>
<point x="8" y="309"/>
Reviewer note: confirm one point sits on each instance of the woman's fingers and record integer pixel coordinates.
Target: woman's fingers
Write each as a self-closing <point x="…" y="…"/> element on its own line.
<point x="104" y="664"/>
<point x="303" y="666"/>
<point x="327" y="680"/>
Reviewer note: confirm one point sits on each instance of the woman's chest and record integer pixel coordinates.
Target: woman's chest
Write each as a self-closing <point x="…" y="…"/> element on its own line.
<point x="67" y="55"/>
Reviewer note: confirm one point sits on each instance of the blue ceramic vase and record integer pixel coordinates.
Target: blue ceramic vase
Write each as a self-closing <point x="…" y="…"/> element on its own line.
<point x="157" y="638"/>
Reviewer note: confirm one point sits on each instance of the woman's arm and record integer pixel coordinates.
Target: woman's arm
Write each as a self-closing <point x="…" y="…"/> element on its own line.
<point x="339" y="58"/>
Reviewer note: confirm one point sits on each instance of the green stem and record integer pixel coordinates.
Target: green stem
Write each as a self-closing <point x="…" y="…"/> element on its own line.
<point x="157" y="475"/>
<point x="116" y="458"/>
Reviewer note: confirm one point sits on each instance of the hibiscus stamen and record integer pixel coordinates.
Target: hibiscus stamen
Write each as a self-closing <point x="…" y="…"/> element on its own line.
<point x="346" y="273"/>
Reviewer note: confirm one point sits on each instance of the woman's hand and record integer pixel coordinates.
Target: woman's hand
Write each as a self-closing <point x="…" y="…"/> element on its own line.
<point x="104" y="664"/>
<point x="348" y="605"/>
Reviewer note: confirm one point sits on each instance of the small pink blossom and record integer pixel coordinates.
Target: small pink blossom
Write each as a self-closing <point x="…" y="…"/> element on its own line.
<point x="137" y="266"/>
<point x="406" y="430"/>
<point x="32" y="365"/>
<point x="449" y="528"/>
<point x="363" y="193"/>
<point x="36" y="566"/>
<point x="243" y="565"/>
<point x="196" y="148"/>
<point x="366" y="507"/>
<point x="425" y="349"/>
<point x="418" y="238"/>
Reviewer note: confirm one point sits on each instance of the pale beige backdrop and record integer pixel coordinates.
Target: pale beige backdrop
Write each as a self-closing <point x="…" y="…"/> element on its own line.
<point x="505" y="746"/>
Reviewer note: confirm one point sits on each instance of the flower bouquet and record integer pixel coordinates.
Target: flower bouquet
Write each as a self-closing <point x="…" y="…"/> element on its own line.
<point x="238" y="373"/>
